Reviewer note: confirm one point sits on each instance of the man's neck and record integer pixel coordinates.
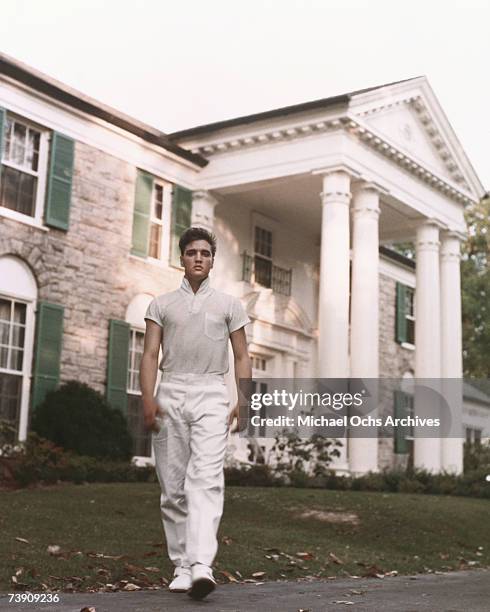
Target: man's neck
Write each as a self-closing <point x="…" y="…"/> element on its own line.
<point x="195" y="284"/>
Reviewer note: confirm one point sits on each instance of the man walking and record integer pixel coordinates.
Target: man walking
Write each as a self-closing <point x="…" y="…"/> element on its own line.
<point x="190" y="415"/>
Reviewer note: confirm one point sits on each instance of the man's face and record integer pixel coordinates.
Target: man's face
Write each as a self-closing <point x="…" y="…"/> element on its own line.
<point x="197" y="259"/>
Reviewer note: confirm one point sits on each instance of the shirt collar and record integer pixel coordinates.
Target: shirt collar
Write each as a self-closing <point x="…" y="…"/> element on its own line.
<point x="204" y="287"/>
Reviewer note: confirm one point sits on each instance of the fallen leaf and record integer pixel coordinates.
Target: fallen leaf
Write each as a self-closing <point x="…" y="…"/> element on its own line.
<point x="335" y="559"/>
<point x="23" y="540"/>
<point x="155" y="570"/>
<point x="229" y="576"/>
<point x="54" y="550"/>
<point x="91" y="609"/>
<point x="344" y="601"/>
<point x="226" y="540"/>
<point x="131" y="587"/>
<point x="305" y="555"/>
<point x="258" y="574"/>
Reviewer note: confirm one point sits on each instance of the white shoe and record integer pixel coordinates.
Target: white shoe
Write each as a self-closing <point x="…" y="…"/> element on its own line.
<point x="182" y="580"/>
<point x="203" y="581"/>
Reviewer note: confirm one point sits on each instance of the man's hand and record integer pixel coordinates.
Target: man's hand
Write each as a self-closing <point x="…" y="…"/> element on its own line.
<point x="235" y="422"/>
<point x="151" y="410"/>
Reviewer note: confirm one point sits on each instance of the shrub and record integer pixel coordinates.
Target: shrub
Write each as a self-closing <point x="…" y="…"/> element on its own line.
<point x="476" y="456"/>
<point x="80" y="419"/>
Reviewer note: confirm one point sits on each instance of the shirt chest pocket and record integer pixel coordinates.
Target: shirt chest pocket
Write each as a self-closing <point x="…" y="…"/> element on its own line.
<point x="214" y="327"/>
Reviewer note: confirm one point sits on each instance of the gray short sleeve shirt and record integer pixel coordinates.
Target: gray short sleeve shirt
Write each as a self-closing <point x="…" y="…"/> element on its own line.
<point x="196" y="327"/>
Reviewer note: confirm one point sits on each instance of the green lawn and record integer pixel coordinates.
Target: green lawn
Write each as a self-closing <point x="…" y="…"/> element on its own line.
<point x="391" y="531"/>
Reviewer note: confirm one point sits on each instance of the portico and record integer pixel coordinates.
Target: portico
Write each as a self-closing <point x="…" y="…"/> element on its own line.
<point x="342" y="177"/>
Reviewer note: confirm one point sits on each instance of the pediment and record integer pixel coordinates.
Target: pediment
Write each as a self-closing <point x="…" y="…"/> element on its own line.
<point x="410" y="127"/>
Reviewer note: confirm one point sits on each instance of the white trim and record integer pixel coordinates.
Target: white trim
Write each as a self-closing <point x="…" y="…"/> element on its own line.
<point x="40" y="174"/>
<point x="396" y="271"/>
<point x="92" y="131"/>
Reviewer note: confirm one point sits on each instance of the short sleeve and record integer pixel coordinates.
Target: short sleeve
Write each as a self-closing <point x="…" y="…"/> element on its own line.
<point x="153" y="312"/>
<point x="238" y="317"/>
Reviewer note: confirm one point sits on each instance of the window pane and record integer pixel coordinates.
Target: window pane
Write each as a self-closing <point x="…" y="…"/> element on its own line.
<point x="8" y="130"/>
<point x="20" y="313"/>
<point x="26" y="194"/>
<point x="158" y="202"/>
<point x="141" y="438"/>
<point x="4" y="332"/>
<point x="155" y="233"/>
<point x="16" y="359"/>
<point x="18" y="144"/>
<point x="32" y="153"/>
<point x="18" y="332"/>
<point x="4" y="310"/>
<point x="17" y="191"/>
<point x="4" y="357"/>
<point x="10" y="395"/>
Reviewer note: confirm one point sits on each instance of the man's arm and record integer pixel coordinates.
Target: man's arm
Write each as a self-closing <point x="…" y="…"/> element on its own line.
<point x="148" y="373"/>
<point x="243" y="369"/>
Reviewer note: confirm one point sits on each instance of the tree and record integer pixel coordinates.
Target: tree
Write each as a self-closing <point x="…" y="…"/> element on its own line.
<point x="475" y="283"/>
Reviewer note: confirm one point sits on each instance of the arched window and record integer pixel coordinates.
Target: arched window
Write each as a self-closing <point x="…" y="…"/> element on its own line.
<point x="18" y="294"/>
<point x="135" y="313"/>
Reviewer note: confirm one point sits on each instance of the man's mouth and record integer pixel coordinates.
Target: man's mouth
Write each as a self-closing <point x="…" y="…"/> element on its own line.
<point x="197" y="267"/>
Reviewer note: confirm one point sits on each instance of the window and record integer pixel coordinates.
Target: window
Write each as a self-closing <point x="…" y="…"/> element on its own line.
<point x="263" y="256"/>
<point x="405" y="315"/>
<point x="409" y="315"/>
<point x="156" y="221"/>
<point x="258" y="362"/>
<point x="473" y="436"/>
<point x="12" y="345"/>
<point x="141" y="438"/>
<point x="403" y="435"/>
<point x="23" y="167"/>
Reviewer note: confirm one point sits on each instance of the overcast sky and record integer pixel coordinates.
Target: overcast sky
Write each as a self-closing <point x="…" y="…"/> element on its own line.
<point x="176" y="64"/>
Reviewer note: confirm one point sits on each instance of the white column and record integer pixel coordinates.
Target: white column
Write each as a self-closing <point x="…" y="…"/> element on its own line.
<point x="203" y="204"/>
<point x="452" y="349"/>
<point x="427" y="452"/>
<point x="364" y="330"/>
<point x="333" y="308"/>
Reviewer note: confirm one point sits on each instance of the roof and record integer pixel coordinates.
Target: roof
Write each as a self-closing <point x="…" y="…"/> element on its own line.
<point x="74" y="98"/>
<point x="472" y="393"/>
<point x="277" y="112"/>
<point x="397" y="256"/>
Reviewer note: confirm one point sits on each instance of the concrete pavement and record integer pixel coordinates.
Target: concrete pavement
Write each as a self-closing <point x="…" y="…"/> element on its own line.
<point x="465" y="591"/>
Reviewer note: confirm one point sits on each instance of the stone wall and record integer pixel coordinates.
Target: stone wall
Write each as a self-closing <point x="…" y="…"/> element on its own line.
<point x="89" y="269"/>
<point x="394" y="361"/>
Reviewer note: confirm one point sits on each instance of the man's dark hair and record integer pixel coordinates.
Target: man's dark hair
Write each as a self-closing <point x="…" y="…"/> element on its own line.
<point x="197" y="233"/>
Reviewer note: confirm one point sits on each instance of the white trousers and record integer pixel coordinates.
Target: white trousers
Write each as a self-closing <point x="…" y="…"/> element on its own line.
<point x="189" y="455"/>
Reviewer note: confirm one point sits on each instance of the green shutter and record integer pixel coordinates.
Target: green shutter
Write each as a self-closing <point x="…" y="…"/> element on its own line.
<point x="59" y="182"/>
<point x="181" y="220"/>
<point x="141" y="214"/>
<point x="117" y="365"/>
<point x="401" y="321"/>
<point x="400" y="433"/>
<point x="49" y="337"/>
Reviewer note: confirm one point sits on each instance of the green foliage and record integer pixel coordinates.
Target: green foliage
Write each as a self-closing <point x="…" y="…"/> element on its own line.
<point x="294" y="456"/>
<point x="38" y="460"/>
<point x="475" y="281"/>
<point x="476" y="456"/>
<point x="80" y="419"/>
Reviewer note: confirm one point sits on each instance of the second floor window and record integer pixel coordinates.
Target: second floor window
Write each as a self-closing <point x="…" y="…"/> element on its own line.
<point x="405" y="314"/>
<point x="263" y="256"/>
<point x="156" y="221"/>
<point x="23" y="165"/>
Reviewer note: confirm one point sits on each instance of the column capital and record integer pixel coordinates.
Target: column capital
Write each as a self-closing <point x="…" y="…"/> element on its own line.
<point x="336" y="187"/>
<point x="450" y="246"/>
<point x="427" y="236"/>
<point x="365" y="196"/>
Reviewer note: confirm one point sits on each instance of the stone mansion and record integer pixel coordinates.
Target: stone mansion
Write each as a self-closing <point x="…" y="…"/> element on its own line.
<point x="305" y="202"/>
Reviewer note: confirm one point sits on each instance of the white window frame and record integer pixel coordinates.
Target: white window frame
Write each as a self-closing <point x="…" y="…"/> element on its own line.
<point x="26" y="372"/>
<point x="41" y="174"/>
<point x="164" y="222"/>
